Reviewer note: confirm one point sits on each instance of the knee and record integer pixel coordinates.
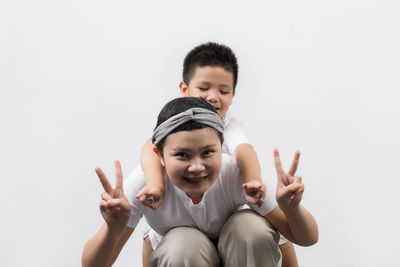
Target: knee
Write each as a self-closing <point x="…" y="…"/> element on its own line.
<point x="247" y="239"/>
<point x="184" y="246"/>
<point x="247" y="227"/>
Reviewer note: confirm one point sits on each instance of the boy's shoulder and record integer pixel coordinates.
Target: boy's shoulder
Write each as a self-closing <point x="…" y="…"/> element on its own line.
<point x="234" y="134"/>
<point x="228" y="160"/>
<point x="232" y="122"/>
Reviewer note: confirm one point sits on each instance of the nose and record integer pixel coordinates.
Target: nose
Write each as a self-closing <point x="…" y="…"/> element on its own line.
<point x="196" y="166"/>
<point x="212" y="96"/>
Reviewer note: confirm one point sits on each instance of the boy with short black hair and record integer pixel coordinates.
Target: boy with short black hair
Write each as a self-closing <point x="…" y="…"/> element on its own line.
<point x="210" y="71"/>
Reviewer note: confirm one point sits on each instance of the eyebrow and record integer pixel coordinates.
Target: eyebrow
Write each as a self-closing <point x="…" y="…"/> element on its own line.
<point x="188" y="149"/>
<point x="208" y="84"/>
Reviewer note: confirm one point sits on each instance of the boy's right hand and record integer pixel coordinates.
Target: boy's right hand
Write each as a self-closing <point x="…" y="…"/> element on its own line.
<point x="151" y="196"/>
<point x="114" y="206"/>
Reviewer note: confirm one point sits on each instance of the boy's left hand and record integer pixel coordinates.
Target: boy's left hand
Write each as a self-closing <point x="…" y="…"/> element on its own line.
<point x="255" y="192"/>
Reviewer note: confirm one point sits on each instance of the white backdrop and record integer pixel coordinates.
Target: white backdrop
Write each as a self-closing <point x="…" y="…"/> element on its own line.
<point x="81" y="84"/>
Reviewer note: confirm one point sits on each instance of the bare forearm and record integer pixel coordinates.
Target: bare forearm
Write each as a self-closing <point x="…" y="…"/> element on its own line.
<point x="151" y="166"/>
<point x="302" y="226"/>
<point x="297" y="225"/>
<point x="99" y="250"/>
<point x="248" y="163"/>
<point x="289" y="258"/>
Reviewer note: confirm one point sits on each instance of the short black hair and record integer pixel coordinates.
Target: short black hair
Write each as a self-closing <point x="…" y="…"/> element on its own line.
<point x="210" y="54"/>
<point x="179" y="105"/>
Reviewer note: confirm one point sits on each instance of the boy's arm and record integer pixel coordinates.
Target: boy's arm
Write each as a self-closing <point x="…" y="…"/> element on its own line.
<point x="247" y="161"/>
<point x="153" y="194"/>
<point x="104" y="247"/>
<point x="290" y="218"/>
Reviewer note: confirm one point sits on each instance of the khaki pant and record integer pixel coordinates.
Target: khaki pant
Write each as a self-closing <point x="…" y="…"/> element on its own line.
<point x="246" y="240"/>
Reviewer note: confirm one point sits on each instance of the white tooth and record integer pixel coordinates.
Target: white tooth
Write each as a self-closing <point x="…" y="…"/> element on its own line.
<point x="197" y="179"/>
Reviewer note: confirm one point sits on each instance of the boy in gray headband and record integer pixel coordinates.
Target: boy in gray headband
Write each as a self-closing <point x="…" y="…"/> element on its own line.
<point x="203" y="189"/>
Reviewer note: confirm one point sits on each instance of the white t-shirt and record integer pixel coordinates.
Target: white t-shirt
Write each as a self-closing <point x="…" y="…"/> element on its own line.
<point x="223" y="198"/>
<point x="234" y="134"/>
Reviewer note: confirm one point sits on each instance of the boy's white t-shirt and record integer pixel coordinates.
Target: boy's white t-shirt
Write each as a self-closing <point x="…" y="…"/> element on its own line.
<point x="234" y="134"/>
<point x="223" y="198"/>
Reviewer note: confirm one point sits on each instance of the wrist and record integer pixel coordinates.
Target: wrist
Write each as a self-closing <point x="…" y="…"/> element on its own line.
<point x="157" y="186"/>
<point x="290" y="211"/>
<point x="252" y="178"/>
<point x="114" y="232"/>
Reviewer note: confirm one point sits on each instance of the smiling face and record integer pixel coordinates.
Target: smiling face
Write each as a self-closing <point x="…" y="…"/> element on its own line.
<point x="192" y="160"/>
<point x="212" y="83"/>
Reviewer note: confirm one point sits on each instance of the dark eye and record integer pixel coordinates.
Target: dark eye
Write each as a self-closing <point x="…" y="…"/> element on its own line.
<point x="224" y="92"/>
<point x="181" y="155"/>
<point x="203" y="89"/>
<point x="208" y="152"/>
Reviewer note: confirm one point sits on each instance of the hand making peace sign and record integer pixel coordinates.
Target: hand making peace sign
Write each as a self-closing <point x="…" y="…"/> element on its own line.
<point x="114" y="206"/>
<point x="289" y="189"/>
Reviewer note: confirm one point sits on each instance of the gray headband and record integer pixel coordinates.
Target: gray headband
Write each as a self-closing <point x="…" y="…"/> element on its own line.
<point x="201" y="115"/>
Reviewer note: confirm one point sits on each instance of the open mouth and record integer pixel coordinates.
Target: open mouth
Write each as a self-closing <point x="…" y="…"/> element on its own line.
<point x="195" y="180"/>
<point x="216" y="108"/>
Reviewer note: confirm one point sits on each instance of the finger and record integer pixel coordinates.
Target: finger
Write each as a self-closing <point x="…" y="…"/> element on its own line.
<point x="104" y="181"/>
<point x="292" y="188"/>
<point x="150" y="198"/>
<point x="285" y="193"/>
<point x="278" y="164"/>
<point x="295" y="163"/>
<point x="262" y="193"/>
<point x="103" y="205"/>
<point x="142" y="192"/>
<point x="105" y="196"/>
<point x="118" y="175"/>
<point x="257" y="193"/>
<point x="251" y="186"/>
<point x="142" y="198"/>
<point x="146" y="202"/>
<point x="116" y="202"/>
<point x="254" y="194"/>
<point x="298" y="195"/>
<point x="290" y="179"/>
<point x="251" y="200"/>
<point x="298" y="180"/>
<point x="300" y="191"/>
<point x="260" y="203"/>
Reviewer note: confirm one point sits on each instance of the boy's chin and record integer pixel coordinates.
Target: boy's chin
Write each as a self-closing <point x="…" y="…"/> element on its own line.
<point x="221" y="114"/>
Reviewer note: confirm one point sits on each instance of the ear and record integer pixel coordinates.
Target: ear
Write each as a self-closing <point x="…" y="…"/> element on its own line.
<point x="160" y="157"/>
<point x="183" y="88"/>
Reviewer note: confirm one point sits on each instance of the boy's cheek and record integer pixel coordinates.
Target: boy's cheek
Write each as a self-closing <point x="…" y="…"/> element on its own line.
<point x="196" y="93"/>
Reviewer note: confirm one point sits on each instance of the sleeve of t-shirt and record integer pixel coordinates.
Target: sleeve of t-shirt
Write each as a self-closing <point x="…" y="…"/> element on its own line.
<point x="234" y="134"/>
<point x="233" y="180"/>
<point x="132" y="186"/>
